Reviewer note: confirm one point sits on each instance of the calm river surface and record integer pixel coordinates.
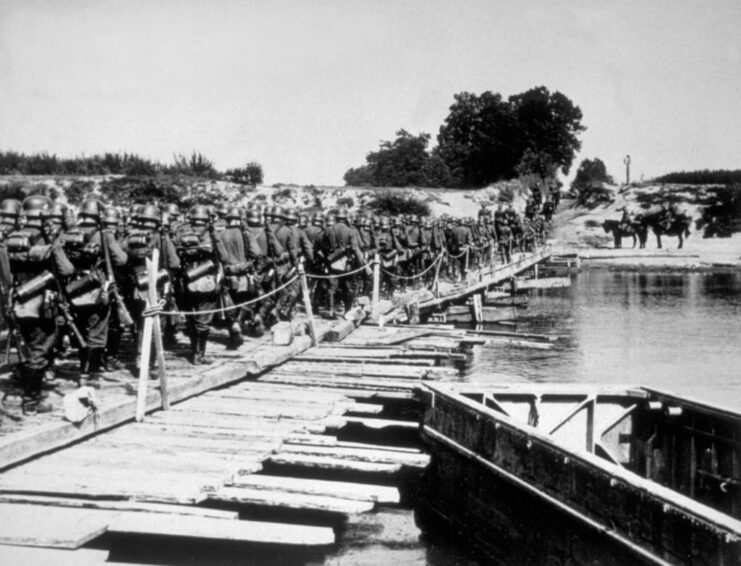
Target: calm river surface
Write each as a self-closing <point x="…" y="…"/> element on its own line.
<point x="676" y="332"/>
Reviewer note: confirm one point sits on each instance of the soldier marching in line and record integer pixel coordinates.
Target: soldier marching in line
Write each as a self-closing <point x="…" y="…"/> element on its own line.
<point x="39" y="266"/>
<point x="56" y="275"/>
<point x="89" y="249"/>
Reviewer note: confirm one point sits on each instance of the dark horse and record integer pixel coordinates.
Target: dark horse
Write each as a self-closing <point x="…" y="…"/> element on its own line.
<point x="619" y="232"/>
<point x="679" y="226"/>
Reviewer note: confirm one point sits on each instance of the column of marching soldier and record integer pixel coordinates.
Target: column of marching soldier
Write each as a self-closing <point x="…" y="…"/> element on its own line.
<point x="85" y="277"/>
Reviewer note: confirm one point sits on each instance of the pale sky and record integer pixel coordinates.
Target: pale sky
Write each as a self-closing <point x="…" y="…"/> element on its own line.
<point x="308" y="87"/>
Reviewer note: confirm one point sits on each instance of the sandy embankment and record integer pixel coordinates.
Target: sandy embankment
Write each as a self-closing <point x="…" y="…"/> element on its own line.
<point x="579" y="230"/>
<point x="575" y="229"/>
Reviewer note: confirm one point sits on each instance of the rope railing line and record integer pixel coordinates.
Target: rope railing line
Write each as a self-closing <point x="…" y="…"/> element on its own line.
<point x="340" y="275"/>
<point x="455" y="256"/>
<point x="152" y="311"/>
<point x="417" y="275"/>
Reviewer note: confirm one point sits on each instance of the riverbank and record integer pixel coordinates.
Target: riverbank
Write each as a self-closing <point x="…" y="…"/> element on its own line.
<point x="578" y="229"/>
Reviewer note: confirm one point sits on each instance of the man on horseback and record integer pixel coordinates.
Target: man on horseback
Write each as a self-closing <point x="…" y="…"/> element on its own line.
<point x="626" y="221"/>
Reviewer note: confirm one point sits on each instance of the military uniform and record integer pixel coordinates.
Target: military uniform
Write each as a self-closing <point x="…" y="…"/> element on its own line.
<point x="341" y="248"/>
<point x="201" y="280"/>
<point x="87" y="290"/>
<point x="39" y="269"/>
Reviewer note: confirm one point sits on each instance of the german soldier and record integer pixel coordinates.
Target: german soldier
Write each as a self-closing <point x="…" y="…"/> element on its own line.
<point x="241" y="254"/>
<point x="341" y="247"/>
<point x="38" y="263"/>
<point x="88" y="288"/>
<point x="200" y="279"/>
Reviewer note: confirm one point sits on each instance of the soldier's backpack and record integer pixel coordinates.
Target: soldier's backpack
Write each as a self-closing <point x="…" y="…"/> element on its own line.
<point x="31" y="298"/>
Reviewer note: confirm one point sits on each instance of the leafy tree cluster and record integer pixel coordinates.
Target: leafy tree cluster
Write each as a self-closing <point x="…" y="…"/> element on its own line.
<point x="485" y="138"/>
<point x="250" y="174"/>
<point x="590" y="171"/>
<point x="129" y="164"/>
<point x="703" y="177"/>
<point x="403" y="162"/>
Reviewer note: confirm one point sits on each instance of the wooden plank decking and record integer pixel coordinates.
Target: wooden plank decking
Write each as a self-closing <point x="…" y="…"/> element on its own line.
<point x="237" y="436"/>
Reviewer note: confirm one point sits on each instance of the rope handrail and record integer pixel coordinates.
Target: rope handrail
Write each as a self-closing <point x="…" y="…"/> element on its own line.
<point x="456" y="256"/>
<point x="152" y="311"/>
<point x="420" y="274"/>
<point x="339" y="275"/>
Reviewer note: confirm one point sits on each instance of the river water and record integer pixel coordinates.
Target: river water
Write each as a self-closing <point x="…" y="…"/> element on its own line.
<point x="678" y="332"/>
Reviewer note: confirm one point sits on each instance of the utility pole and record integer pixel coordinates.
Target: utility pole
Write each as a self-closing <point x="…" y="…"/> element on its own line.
<point x="627" y="169"/>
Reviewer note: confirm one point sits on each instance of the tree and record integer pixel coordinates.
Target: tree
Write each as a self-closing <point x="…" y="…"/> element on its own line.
<point x="485" y="138"/>
<point x="403" y="162"/>
<point x="250" y="174"/>
<point x="549" y="123"/>
<point x="478" y="140"/>
<point x="590" y="171"/>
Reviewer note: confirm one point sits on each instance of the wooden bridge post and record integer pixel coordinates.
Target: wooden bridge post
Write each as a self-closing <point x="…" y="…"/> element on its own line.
<point x="151" y="325"/>
<point x="376" y="298"/>
<point x="307" y="303"/>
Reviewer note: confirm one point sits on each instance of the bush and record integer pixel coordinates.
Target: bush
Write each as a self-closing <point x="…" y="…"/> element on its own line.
<point x="78" y="191"/>
<point x="392" y="203"/>
<point x="723" y="217"/>
<point x="125" y="191"/>
<point x="346" y="201"/>
<point x="594" y="195"/>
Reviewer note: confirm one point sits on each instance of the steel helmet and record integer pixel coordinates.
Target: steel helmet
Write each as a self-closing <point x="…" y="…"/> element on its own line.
<point x="254" y="218"/>
<point x="199" y="213"/>
<point x="57" y="211"/>
<point x="364" y="222"/>
<point x="35" y="205"/>
<point x="290" y="215"/>
<point x="331" y="218"/>
<point x="276" y="212"/>
<point x="233" y="213"/>
<point x="149" y="213"/>
<point x="10" y="207"/>
<point x="222" y="209"/>
<point x="318" y="219"/>
<point x="172" y="209"/>
<point x="91" y="208"/>
<point x="303" y="220"/>
<point x="341" y="214"/>
<point x="111" y="216"/>
<point x="385" y="223"/>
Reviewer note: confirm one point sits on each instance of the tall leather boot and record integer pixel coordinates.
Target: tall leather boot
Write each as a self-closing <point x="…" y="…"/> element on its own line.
<point x="95" y="364"/>
<point x="202" y="341"/>
<point x="84" y="355"/>
<point x="193" y="347"/>
<point x="33" y="399"/>
<point x="235" y="335"/>
<point x="110" y="361"/>
<point x="330" y="305"/>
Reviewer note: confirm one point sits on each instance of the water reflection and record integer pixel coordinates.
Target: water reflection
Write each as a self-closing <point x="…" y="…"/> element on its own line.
<point x="679" y="332"/>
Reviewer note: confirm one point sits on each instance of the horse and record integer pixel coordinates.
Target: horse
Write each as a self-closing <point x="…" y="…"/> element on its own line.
<point x="679" y="226"/>
<point x="618" y="232"/>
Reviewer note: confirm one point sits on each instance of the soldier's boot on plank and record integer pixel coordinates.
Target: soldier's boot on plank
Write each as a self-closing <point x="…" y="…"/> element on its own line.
<point x="169" y="334"/>
<point x="193" y="336"/>
<point x="235" y="335"/>
<point x="330" y="305"/>
<point x="84" y="355"/>
<point x="33" y="400"/>
<point x="95" y="364"/>
<point x="201" y="354"/>
<point x="110" y="360"/>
